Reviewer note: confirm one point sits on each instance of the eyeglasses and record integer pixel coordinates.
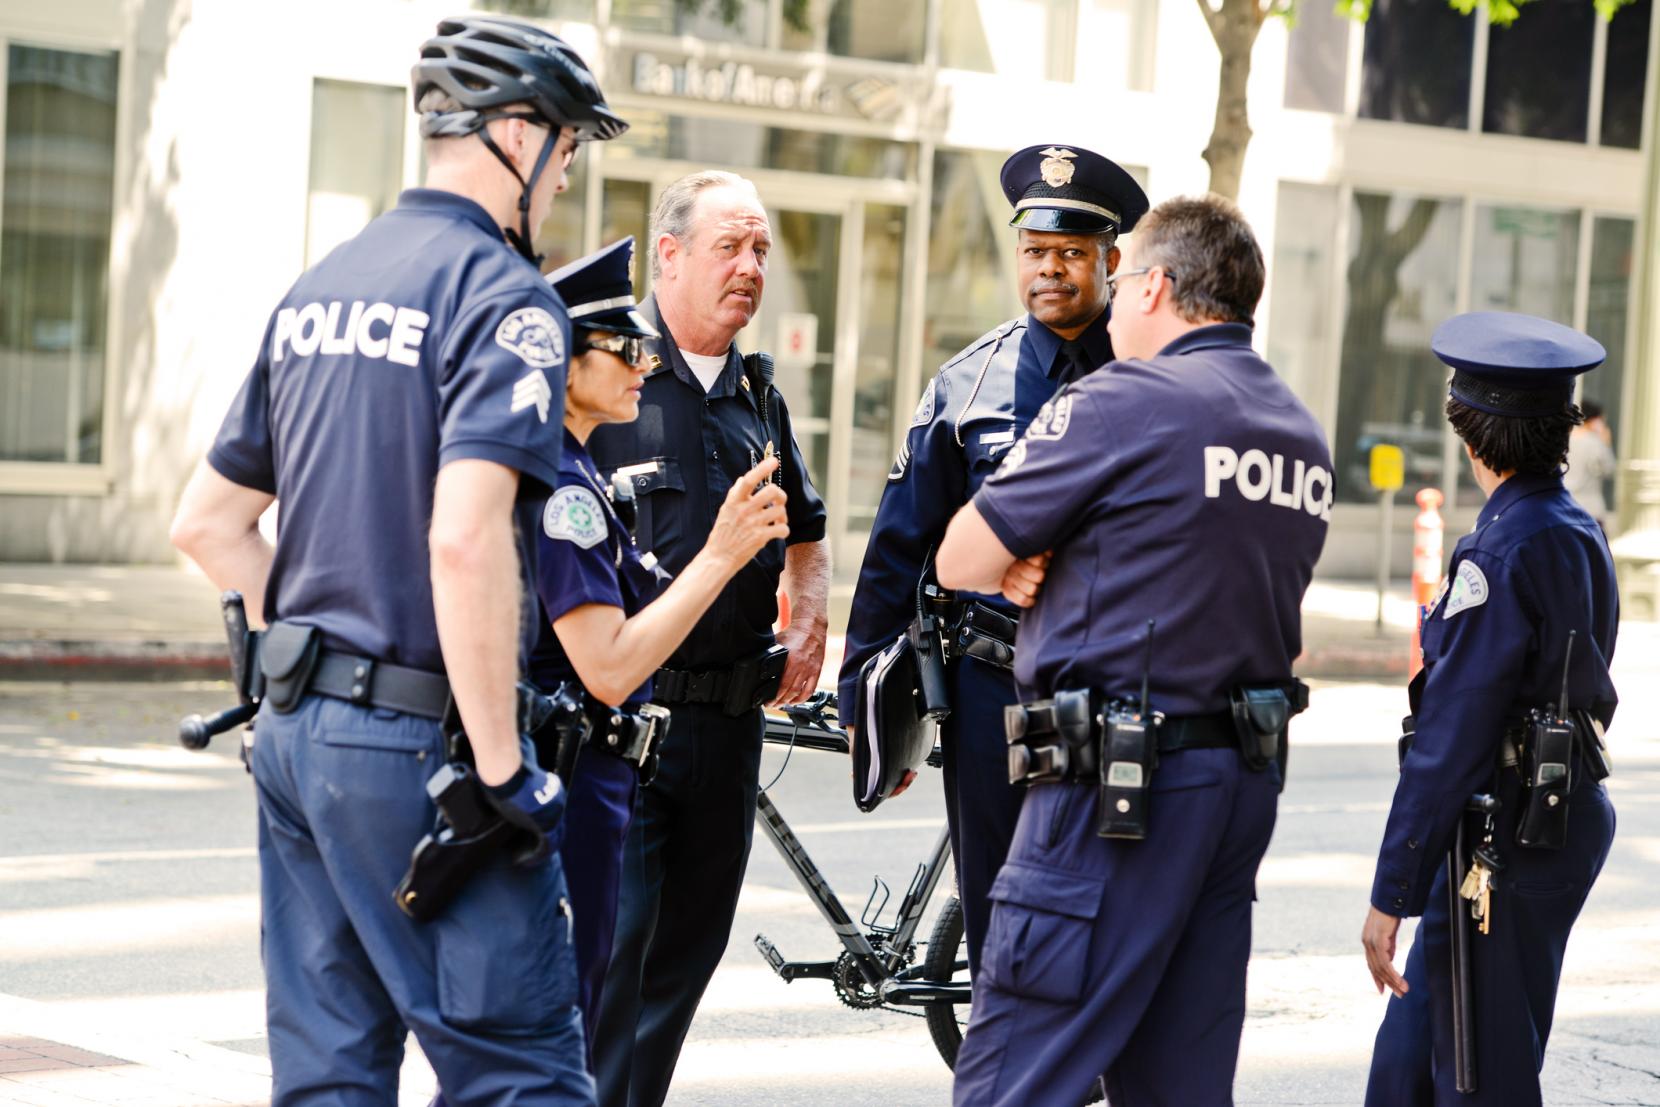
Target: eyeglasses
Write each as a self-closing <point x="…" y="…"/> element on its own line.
<point x="630" y="347"/>
<point x="1112" y="281"/>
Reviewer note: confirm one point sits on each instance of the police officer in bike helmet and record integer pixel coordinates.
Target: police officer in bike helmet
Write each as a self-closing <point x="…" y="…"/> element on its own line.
<point x="405" y="406"/>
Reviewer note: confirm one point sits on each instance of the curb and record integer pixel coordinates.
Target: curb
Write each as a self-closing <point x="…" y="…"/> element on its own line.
<point x="151" y="660"/>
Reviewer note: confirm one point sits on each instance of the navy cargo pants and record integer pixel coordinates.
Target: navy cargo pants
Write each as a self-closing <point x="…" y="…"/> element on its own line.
<point x="981" y="806"/>
<point x="1121" y="957"/>
<point x="597" y="818"/>
<point x="682" y="870"/>
<point x="1514" y="967"/>
<point x="488" y="987"/>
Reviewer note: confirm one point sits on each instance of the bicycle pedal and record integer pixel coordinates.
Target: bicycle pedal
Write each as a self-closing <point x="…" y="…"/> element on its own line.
<point x="770" y="952"/>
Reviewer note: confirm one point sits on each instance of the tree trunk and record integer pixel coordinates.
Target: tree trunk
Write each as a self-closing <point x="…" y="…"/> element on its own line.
<point x="1234" y="26"/>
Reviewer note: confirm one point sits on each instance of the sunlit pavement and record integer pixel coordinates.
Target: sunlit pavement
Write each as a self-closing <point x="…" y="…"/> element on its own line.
<point x="129" y="920"/>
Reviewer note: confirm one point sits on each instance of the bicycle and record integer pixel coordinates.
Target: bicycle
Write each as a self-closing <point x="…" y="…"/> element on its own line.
<point x="876" y="968"/>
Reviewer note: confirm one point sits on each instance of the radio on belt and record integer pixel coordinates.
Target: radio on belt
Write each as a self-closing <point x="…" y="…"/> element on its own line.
<point x="1129" y="754"/>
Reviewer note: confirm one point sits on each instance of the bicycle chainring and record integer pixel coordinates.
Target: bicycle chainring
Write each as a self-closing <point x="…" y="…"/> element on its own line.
<point x="851" y="986"/>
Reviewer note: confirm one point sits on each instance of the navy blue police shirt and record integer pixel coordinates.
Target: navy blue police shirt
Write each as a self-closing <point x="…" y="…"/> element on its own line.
<point x="1535" y="567"/>
<point x="683" y="454"/>
<point x="969" y="416"/>
<point x="424" y="340"/>
<point x="1192" y="488"/>
<point x="584" y="555"/>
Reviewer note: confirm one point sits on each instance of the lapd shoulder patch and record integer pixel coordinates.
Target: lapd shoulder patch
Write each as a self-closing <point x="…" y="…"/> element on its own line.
<point x="924" y="407"/>
<point x="1468" y="589"/>
<point x="575" y="515"/>
<point x="1052" y="419"/>
<point x="533" y="335"/>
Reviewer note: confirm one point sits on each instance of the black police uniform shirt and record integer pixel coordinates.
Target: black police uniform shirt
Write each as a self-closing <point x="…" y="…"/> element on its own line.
<point x="1192" y="488"/>
<point x="1535" y="567"/>
<point x="683" y="454"/>
<point x="970" y="415"/>
<point x="424" y="340"/>
<point x="585" y="555"/>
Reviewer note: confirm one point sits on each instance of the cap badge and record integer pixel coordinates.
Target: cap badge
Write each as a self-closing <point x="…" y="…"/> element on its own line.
<point x="1055" y="167"/>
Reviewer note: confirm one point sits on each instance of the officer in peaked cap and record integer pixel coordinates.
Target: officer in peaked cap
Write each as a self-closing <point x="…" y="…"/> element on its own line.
<point x="1057" y="188"/>
<point x="1535" y="568"/>
<point x="1070" y="205"/>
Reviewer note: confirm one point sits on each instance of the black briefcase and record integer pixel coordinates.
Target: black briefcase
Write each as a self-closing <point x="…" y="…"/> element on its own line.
<point x="893" y="729"/>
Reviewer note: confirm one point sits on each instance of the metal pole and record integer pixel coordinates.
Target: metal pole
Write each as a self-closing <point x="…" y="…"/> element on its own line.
<point x="1386" y="511"/>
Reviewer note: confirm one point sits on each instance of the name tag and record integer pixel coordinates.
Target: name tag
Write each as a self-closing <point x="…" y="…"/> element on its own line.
<point x="994" y="438"/>
<point x="641" y="469"/>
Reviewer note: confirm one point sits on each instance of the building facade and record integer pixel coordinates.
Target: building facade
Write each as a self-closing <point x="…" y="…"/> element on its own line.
<point x="170" y="166"/>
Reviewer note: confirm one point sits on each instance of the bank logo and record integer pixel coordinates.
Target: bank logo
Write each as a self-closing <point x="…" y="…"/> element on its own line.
<point x="533" y="390"/>
<point x="532" y="334"/>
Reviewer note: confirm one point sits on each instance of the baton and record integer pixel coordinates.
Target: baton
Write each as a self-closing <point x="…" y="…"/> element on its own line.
<point x="1463" y="992"/>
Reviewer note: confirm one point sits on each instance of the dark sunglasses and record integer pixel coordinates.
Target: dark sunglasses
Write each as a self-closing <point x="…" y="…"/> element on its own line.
<point x="630" y="347"/>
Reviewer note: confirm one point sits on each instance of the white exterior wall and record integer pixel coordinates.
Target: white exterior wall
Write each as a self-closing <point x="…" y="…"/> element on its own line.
<point x="212" y="176"/>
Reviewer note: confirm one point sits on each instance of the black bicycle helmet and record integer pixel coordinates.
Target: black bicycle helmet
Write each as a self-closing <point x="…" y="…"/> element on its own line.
<point x="487" y="64"/>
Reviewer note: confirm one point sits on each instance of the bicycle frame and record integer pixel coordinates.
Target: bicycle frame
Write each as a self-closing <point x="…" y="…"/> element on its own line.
<point x="883" y="963"/>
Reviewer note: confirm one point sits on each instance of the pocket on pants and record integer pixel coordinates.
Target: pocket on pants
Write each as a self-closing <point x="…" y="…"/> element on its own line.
<point x="1042" y="922"/>
<point x="506" y="962"/>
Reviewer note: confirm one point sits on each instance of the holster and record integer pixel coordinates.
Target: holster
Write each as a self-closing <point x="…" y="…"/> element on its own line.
<point x="1262" y="717"/>
<point x="983" y="633"/>
<point x="933" y="690"/>
<point x="288" y="654"/>
<point x="755" y="681"/>
<point x="474" y="827"/>
<point x="558" y="726"/>
<point x="633" y="736"/>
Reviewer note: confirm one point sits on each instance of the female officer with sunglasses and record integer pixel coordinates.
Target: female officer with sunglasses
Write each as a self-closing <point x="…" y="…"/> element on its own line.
<point x="595" y="586"/>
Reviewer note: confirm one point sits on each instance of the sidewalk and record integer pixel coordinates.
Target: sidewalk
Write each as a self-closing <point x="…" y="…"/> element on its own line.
<point x="154" y="622"/>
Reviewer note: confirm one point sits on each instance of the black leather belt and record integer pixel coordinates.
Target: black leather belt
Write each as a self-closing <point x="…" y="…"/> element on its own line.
<point x="980" y="631"/>
<point x="673" y="686"/>
<point x="1197" y="732"/>
<point x="371" y="683"/>
<point x="1044" y="753"/>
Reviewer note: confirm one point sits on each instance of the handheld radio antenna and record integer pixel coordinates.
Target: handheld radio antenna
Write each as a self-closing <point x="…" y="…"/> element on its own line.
<point x="1567" y="657"/>
<point x="1147" y="668"/>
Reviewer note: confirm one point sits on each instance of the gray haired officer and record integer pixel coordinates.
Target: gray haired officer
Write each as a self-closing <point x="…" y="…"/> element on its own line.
<point x="707" y="416"/>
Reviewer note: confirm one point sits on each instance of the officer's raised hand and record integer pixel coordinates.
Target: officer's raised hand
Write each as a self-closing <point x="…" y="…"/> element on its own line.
<point x="1023" y="579"/>
<point x="751" y="516"/>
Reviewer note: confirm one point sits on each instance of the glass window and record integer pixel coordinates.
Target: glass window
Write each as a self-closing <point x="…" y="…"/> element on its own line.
<point x="1524" y="260"/>
<point x="540" y="9"/>
<point x="971" y="265"/>
<point x="1624" y="75"/>
<point x="625" y="209"/>
<point x="1539" y="72"/>
<point x="1115" y="43"/>
<point x="559" y="238"/>
<point x="1613" y="246"/>
<point x="882" y="270"/>
<point x="1317" y="59"/>
<point x="356" y="160"/>
<point x="1300" y="311"/>
<point x="54" y="252"/>
<point x="875" y="29"/>
<point x="701" y="20"/>
<point x="1417" y="63"/>
<point x="739" y="146"/>
<point x="1402" y="283"/>
<point x="1012" y="38"/>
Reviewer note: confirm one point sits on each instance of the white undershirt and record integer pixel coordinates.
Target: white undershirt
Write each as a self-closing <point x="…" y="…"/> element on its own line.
<point x="705" y="367"/>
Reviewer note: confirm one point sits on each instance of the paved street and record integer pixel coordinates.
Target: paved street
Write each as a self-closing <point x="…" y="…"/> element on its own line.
<point x="129" y="915"/>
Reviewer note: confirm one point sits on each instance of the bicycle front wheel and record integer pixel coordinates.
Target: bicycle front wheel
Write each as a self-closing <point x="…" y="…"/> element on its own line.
<point x="947" y="960"/>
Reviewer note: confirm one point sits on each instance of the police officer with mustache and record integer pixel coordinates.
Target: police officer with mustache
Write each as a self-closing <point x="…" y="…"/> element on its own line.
<point x="1070" y="206"/>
